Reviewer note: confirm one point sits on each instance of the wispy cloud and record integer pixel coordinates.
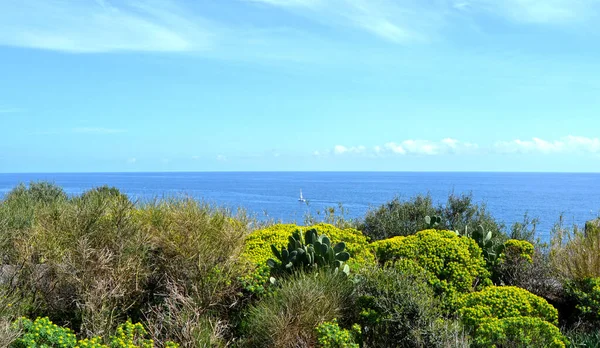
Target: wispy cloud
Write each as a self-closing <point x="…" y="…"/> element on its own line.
<point x="10" y="110"/>
<point x="536" y="11"/>
<point x="568" y="144"/>
<point x="396" y="21"/>
<point x="97" y="130"/>
<point x="102" y="26"/>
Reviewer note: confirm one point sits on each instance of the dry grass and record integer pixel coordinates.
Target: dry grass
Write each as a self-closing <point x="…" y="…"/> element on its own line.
<point x="576" y="254"/>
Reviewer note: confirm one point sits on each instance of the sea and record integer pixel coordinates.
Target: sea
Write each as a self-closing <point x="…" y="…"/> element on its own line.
<point x="275" y="195"/>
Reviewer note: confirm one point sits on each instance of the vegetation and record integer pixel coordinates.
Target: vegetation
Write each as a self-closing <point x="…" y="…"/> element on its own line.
<point x="98" y="270"/>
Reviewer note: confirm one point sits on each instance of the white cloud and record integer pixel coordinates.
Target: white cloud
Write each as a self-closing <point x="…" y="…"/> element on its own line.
<point x="221" y="158"/>
<point x="102" y="26"/>
<point x="412" y="147"/>
<point x="568" y="144"/>
<point x="340" y="149"/>
<point x="97" y="130"/>
<point x="132" y="160"/>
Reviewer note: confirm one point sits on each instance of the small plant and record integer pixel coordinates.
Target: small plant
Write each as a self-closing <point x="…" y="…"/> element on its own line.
<point x="314" y="252"/>
<point x="330" y="335"/>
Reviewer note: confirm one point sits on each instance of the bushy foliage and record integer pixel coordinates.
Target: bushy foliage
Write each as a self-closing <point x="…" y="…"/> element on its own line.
<point x="514" y="263"/>
<point x="504" y="302"/>
<point x="586" y="294"/>
<point x="43" y="333"/>
<point x="576" y="252"/>
<point x="397" y="304"/>
<point x="403" y="218"/>
<point x="511" y="316"/>
<point x="288" y="317"/>
<point x="330" y="335"/>
<point x="258" y="248"/>
<point x="518" y="332"/>
<point x="455" y="262"/>
<point x="94" y="260"/>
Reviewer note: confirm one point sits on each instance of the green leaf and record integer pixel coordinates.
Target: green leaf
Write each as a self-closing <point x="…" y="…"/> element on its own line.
<point x="276" y="252"/>
<point x="343" y="256"/>
<point x="339" y="247"/>
<point x="271" y="263"/>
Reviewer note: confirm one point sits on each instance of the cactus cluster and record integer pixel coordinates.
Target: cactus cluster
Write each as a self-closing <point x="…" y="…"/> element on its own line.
<point x="491" y="250"/>
<point x="312" y="251"/>
<point x="433" y="221"/>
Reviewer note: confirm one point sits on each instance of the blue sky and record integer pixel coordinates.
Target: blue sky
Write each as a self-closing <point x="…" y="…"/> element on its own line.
<point x="174" y="85"/>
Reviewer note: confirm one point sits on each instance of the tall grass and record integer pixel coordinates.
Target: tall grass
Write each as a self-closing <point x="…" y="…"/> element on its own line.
<point x="289" y="316"/>
<point x="575" y="253"/>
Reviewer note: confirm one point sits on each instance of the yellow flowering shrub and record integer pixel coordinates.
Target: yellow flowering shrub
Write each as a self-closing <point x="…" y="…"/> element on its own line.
<point x="504" y="302"/>
<point x="257" y="249"/>
<point x="514" y="248"/>
<point x="510" y="316"/>
<point x="456" y="262"/>
<point x="43" y="333"/>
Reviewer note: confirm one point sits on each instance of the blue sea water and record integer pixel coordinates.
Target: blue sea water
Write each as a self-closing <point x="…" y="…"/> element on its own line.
<point x="275" y="194"/>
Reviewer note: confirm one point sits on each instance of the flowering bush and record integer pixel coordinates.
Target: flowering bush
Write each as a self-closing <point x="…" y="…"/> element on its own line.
<point x="510" y="316"/>
<point x="43" y="333"/>
<point x="258" y="249"/>
<point x="456" y="262"/>
<point x="504" y="302"/>
<point x="518" y="332"/>
<point x="330" y="335"/>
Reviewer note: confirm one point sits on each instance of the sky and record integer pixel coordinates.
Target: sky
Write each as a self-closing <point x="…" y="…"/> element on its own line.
<point x="299" y="85"/>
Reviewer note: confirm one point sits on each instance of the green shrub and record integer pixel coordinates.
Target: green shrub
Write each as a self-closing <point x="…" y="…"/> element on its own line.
<point x="289" y="316"/>
<point x="330" y="335"/>
<point x="514" y="263"/>
<point x="504" y="302"/>
<point x="258" y="249"/>
<point x="518" y="332"/>
<point x="397" y="304"/>
<point x="586" y="294"/>
<point x="43" y="333"/>
<point x="510" y="316"/>
<point x="403" y="218"/>
<point x="456" y="262"/>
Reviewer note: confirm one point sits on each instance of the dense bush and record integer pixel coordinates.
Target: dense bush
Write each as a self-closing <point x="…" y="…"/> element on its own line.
<point x="92" y="261"/>
<point x="510" y="316"/>
<point x="518" y="332"/>
<point x="456" y="262"/>
<point x="43" y="333"/>
<point x="289" y="316"/>
<point x="403" y="218"/>
<point x="514" y="263"/>
<point x="397" y="304"/>
<point x="504" y="302"/>
<point x="258" y="248"/>
<point x="330" y="335"/>
<point x="586" y="295"/>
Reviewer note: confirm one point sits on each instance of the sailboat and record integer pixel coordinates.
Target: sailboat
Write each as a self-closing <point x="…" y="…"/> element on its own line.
<point x="301" y="199"/>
